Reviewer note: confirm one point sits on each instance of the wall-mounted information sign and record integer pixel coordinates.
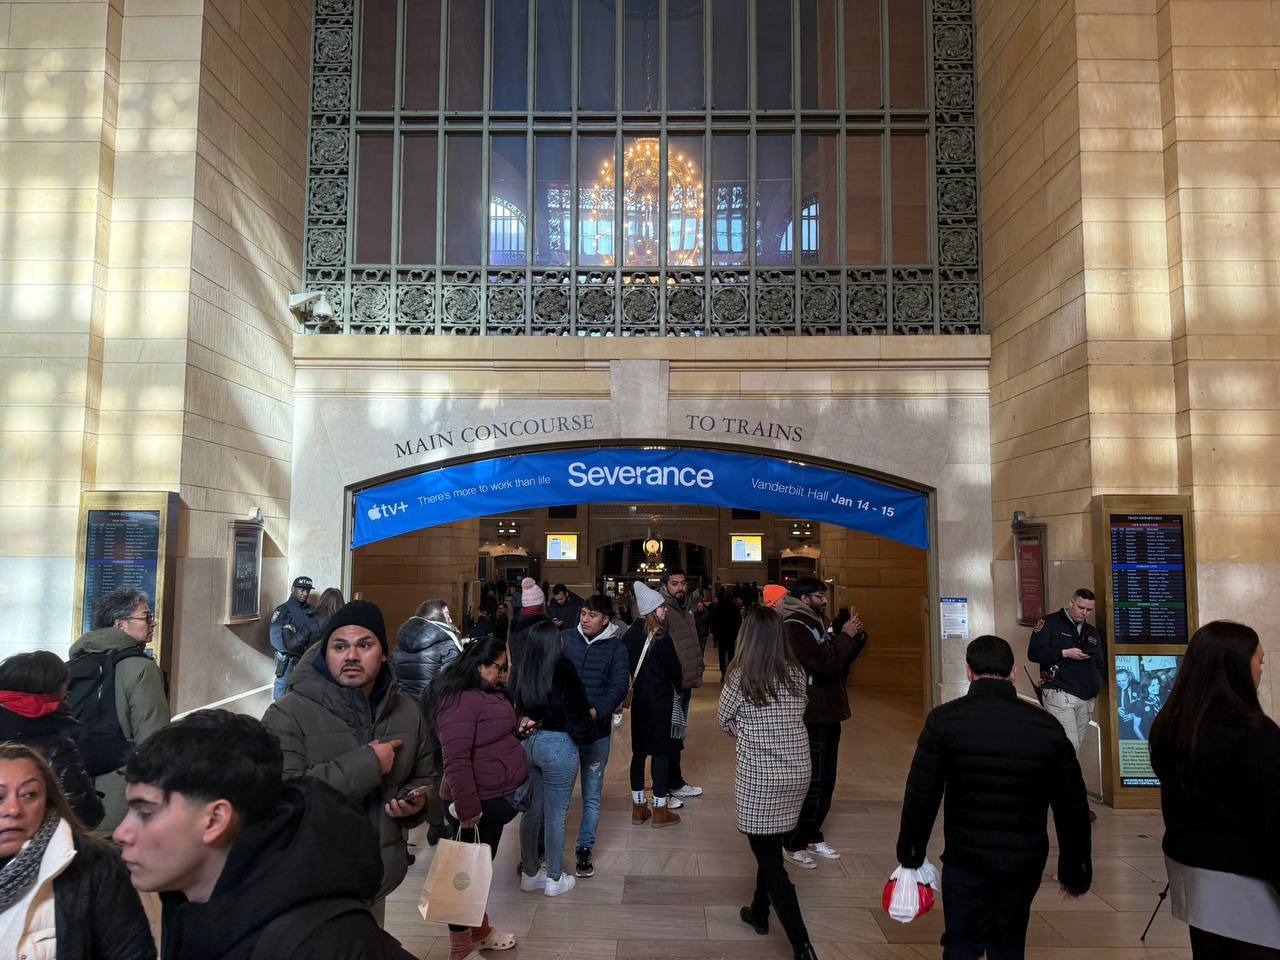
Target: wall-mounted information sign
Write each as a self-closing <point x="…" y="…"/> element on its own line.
<point x="1029" y="570"/>
<point x="124" y="541"/>
<point x="1145" y="564"/>
<point x="245" y="590"/>
<point x="1148" y="596"/>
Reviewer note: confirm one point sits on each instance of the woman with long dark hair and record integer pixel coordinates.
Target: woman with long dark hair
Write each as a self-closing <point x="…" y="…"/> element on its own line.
<point x="34" y="711"/>
<point x="657" y="726"/>
<point x="330" y="602"/>
<point x="762" y="708"/>
<point x="546" y="688"/>
<point x="63" y="894"/>
<point x="484" y="764"/>
<point x="1217" y="755"/>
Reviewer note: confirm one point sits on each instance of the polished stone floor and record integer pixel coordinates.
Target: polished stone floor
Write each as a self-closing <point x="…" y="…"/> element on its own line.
<point x="675" y="893"/>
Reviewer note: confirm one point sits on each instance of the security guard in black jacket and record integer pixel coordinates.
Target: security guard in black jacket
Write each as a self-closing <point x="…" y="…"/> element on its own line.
<point x="293" y="630"/>
<point x="1072" y="657"/>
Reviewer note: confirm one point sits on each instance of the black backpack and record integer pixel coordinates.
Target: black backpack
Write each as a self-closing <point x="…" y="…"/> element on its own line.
<point x="91" y="690"/>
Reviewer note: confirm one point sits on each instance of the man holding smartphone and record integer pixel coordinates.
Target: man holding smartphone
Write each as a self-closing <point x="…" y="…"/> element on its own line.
<point x="1072" y="657"/>
<point x="344" y="722"/>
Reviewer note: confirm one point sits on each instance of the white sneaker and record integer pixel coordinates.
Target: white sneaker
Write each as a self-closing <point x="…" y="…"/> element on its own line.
<point x="535" y="883"/>
<point x="674" y="802"/>
<point x="688" y="790"/>
<point x="824" y="849"/>
<point x="556" y="887"/>
<point x="800" y="859"/>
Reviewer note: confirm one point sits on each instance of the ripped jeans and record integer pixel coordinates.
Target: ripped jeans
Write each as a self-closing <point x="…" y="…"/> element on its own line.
<point x="592" y="758"/>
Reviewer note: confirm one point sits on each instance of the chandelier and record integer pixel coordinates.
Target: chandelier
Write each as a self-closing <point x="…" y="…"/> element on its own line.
<point x="641" y="215"/>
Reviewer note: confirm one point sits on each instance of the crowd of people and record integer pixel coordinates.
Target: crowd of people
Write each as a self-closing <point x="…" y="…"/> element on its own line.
<point x="468" y="729"/>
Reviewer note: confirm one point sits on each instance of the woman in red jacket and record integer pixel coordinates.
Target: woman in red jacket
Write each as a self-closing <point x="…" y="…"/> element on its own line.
<point x="484" y="763"/>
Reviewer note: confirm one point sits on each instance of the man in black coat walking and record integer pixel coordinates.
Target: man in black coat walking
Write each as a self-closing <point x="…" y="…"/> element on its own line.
<point x="1001" y="763"/>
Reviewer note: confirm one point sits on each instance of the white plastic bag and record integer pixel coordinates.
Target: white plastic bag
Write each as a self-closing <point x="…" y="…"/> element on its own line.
<point x="909" y="893"/>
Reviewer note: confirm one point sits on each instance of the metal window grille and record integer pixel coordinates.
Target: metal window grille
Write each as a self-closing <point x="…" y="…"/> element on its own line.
<point x="702" y="277"/>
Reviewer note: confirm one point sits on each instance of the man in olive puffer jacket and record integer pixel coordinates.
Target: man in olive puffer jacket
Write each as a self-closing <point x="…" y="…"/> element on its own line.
<point x="345" y="723"/>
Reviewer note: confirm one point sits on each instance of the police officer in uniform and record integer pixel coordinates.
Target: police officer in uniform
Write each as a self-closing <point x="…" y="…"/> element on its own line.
<point x="1072" y="658"/>
<point x="293" y="629"/>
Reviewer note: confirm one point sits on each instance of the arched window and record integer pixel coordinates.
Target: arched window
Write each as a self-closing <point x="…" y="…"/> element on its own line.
<point x="809" y="227"/>
<point x="506" y="232"/>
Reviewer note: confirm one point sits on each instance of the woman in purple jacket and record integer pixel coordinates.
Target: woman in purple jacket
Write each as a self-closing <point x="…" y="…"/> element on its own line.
<point x="484" y="763"/>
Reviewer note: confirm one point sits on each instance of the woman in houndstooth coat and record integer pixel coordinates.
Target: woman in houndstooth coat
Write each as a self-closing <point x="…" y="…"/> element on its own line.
<point x="762" y="708"/>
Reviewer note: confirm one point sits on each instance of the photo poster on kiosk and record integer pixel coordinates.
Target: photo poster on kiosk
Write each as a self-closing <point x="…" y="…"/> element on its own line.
<point x="1146" y="609"/>
<point x="124" y="539"/>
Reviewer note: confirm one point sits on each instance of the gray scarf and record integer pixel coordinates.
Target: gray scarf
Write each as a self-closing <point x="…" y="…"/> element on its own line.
<point x="21" y="871"/>
<point x="679" y="722"/>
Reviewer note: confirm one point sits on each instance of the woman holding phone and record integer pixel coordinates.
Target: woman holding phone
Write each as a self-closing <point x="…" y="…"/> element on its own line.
<point x="484" y="763"/>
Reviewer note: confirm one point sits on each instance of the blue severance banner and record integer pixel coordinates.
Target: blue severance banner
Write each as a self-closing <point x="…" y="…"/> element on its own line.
<point x="636" y="475"/>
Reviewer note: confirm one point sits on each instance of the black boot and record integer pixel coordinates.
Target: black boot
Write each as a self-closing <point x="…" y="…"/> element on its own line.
<point x="759" y="922"/>
<point x="805" y="952"/>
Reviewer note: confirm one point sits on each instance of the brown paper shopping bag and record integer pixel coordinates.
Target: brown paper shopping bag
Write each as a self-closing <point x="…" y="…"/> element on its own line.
<point x="457" y="887"/>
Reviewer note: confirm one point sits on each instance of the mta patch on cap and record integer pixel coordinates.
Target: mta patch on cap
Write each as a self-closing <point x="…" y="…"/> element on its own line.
<point x="304" y="582"/>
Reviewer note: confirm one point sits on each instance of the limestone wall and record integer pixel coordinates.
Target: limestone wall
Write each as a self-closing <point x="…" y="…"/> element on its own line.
<point x="151" y="182"/>
<point x="1129" y="157"/>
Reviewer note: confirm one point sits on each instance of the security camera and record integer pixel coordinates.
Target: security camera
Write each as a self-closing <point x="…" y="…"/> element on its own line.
<point x="313" y="302"/>
<point x="314" y="305"/>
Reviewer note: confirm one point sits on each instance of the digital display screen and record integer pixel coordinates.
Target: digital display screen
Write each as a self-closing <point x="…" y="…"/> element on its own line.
<point x="1148" y="579"/>
<point x="746" y="548"/>
<point x="562" y="546"/>
<point x="1141" y="691"/>
<point x="122" y="550"/>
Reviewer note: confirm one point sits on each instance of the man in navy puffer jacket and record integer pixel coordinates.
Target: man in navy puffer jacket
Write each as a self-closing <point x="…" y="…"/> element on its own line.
<point x="598" y="654"/>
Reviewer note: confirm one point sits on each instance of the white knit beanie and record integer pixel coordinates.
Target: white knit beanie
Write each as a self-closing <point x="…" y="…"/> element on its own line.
<point x="647" y="599"/>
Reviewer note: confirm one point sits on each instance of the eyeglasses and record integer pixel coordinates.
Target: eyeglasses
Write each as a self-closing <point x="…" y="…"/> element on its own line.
<point x="150" y="618"/>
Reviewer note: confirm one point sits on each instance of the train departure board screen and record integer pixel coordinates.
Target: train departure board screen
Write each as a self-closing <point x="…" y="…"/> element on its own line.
<point x="122" y="550"/>
<point x="1148" y="579"/>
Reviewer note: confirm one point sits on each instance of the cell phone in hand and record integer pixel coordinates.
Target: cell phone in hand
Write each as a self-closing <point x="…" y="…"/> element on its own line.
<point x="410" y="794"/>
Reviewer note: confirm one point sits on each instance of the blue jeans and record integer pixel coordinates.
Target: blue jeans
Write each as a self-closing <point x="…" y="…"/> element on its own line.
<point x="592" y="759"/>
<point x="553" y="764"/>
<point x="280" y="685"/>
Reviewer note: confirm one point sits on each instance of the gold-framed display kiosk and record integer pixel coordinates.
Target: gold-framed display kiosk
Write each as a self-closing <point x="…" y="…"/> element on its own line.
<point x="128" y="539"/>
<point x="244" y="579"/>
<point x="1145" y="557"/>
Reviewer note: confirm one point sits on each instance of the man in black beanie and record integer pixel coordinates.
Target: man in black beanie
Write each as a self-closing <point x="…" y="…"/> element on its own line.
<point x="344" y="722"/>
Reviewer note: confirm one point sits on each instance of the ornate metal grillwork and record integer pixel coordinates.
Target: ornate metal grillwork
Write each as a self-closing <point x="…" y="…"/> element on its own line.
<point x="943" y="296"/>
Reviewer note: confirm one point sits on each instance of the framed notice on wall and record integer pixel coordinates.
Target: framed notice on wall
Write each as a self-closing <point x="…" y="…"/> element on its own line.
<point x="1029" y="570"/>
<point x="245" y="582"/>
<point x="1147" y="609"/>
<point x="124" y="540"/>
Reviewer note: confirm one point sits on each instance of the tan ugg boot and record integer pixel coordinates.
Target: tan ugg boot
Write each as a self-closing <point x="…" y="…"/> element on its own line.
<point x="664" y="817"/>
<point x="639" y="812"/>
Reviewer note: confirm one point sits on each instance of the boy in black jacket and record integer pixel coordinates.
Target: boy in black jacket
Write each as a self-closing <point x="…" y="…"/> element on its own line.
<point x="1002" y="763"/>
<point x="248" y="867"/>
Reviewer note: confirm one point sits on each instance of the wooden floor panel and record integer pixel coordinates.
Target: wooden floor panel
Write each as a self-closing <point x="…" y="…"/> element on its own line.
<point x="674" y="893"/>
